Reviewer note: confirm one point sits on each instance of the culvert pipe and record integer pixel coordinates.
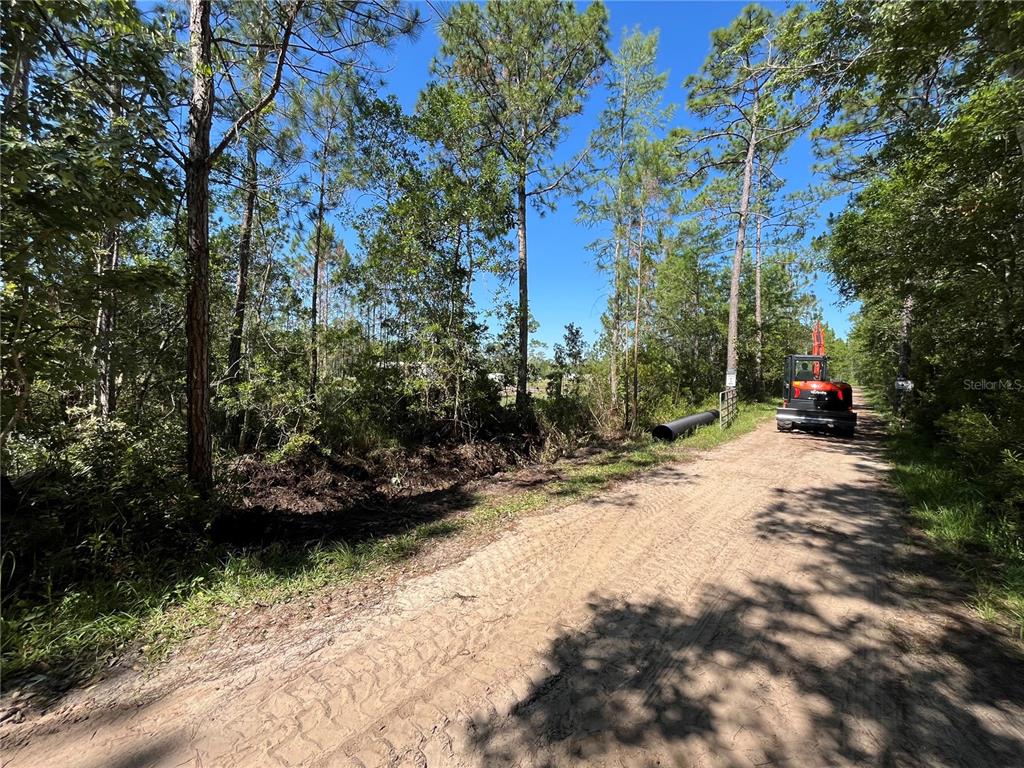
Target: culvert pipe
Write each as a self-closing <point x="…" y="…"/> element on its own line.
<point x="680" y="427"/>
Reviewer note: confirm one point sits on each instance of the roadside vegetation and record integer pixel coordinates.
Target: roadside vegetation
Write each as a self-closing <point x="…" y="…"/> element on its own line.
<point x="930" y="243"/>
<point x="252" y="305"/>
<point x="158" y="606"/>
<point x="968" y="513"/>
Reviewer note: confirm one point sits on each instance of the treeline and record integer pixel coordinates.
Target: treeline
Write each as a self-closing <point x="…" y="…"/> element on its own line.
<point x="178" y="192"/>
<point x="929" y="136"/>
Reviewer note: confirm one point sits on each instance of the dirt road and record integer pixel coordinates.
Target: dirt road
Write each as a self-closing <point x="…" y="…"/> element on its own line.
<point x="761" y="605"/>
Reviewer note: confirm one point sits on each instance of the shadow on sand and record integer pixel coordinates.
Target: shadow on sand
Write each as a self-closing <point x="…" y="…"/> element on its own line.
<point x="925" y="686"/>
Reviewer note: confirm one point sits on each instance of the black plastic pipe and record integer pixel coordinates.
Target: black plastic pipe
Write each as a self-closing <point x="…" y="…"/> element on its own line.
<point x="680" y="427"/>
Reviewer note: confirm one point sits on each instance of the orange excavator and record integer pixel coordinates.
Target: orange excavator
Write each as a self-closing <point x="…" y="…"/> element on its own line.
<point x="811" y="400"/>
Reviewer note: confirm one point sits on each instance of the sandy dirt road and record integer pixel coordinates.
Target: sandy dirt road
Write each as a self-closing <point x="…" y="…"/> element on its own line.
<point x="760" y="605"/>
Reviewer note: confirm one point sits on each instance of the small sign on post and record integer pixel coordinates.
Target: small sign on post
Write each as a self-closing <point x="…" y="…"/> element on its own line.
<point x="730" y="378"/>
<point x="904" y="385"/>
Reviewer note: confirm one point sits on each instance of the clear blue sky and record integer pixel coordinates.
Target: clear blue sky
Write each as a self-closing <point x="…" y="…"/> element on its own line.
<point x="564" y="284"/>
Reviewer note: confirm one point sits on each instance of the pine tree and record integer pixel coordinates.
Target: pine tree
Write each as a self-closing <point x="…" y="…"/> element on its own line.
<point x="634" y="111"/>
<point x="527" y="65"/>
<point x="747" y="92"/>
<point x="333" y="35"/>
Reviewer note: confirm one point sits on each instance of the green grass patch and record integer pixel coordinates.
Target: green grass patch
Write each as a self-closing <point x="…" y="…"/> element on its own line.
<point x="954" y="513"/>
<point x="71" y="633"/>
<point x="632" y="460"/>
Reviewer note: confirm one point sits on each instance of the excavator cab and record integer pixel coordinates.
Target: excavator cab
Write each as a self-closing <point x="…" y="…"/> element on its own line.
<point x="806" y="368"/>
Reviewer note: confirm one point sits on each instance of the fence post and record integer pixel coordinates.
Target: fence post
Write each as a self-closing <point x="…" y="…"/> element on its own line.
<point x="727" y="406"/>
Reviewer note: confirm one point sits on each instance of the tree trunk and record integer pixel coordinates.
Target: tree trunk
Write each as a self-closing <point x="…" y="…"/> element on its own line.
<point x="522" y="372"/>
<point x="24" y="378"/>
<point x="234" y="374"/>
<point x="617" y="271"/>
<point x="626" y="396"/>
<point x="466" y="298"/>
<point x="470" y="264"/>
<point x="325" y="296"/>
<point x="759" y="349"/>
<point x="613" y="375"/>
<point x="108" y="260"/>
<point x="1011" y="298"/>
<point x="737" y="258"/>
<point x="314" y="359"/>
<point x="105" y="387"/>
<point x="199" y="451"/>
<point x="695" y="367"/>
<point x="636" y="320"/>
<point x="900" y="397"/>
<point x="906" y="322"/>
<point x="17" y="86"/>
<point x="199" y="457"/>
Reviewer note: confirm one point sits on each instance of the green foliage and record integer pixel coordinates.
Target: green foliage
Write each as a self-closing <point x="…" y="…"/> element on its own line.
<point x="748" y="93"/>
<point x="100" y="495"/>
<point x="356" y="326"/>
<point x="566" y="424"/>
<point x="990" y="449"/>
<point x="961" y="514"/>
<point x="933" y="236"/>
<point x="564" y="378"/>
<point x="567" y="417"/>
<point x="69" y="630"/>
<point x="103" y="508"/>
<point x="83" y="146"/>
<point x="786" y="309"/>
<point x="297" y="445"/>
<point x="633" y="114"/>
<point x="526" y="67"/>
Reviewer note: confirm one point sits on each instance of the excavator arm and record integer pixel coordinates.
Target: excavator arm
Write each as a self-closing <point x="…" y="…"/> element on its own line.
<point x="817" y="339"/>
<point x="817" y="346"/>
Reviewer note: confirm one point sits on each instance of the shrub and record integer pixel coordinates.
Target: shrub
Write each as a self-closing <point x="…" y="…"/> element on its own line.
<point x="566" y="423"/>
<point x="990" y="450"/>
<point x="298" y="445"/>
<point x="100" y="497"/>
<point x="974" y="438"/>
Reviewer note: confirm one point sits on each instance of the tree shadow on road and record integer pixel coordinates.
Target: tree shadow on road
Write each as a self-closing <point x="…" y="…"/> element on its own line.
<point x="644" y="681"/>
<point x="793" y="672"/>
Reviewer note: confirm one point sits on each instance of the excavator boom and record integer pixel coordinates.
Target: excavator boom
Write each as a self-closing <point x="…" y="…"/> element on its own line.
<point x="817" y="339"/>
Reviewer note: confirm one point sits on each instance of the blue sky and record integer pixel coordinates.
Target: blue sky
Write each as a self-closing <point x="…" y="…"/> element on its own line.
<point x="564" y="284"/>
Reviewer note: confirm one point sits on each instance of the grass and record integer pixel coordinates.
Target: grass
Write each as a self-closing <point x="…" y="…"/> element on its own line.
<point x="955" y="514"/>
<point x="74" y="632"/>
